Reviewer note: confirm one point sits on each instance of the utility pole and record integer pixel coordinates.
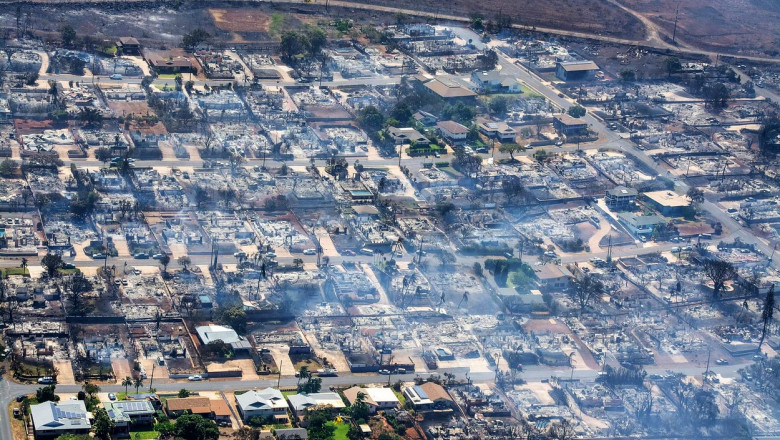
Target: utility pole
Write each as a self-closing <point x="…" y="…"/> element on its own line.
<point x="279" y="379"/>
<point x="151" y="381"/>
<point x="676" y="16"/>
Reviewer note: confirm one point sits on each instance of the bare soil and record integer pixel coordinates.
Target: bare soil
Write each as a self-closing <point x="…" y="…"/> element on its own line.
<point x="750" y="27"/>
<point x="596" y="16"/>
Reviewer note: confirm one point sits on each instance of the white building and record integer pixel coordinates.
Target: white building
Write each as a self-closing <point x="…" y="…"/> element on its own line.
<point x="267" y="403"/>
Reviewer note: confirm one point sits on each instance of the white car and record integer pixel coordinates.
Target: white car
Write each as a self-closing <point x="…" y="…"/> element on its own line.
<point x="309" y="252"/>
<point x="195" y="378"/>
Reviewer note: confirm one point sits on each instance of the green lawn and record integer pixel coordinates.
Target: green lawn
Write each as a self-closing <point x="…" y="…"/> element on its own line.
<point x="149" y="435"/>
<point x="15" y="271"/>
<point x="528" y="92"/>
<point x="167" y="76"/>
<point x="401" y="398"/>
<point x="287" y="394"/>
<point x="341" y="430"/>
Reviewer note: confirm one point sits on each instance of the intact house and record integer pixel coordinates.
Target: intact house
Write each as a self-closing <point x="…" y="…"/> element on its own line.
<point x="576" y="70"/>
<point x="620" y="198"/>
<point x="300" y="403"/>
<point x="129" y="46"/>
<point x="126" y="413"/>
<point x="497" y="130"/>
<point x="177" y="406"/>
<point x="495" y="82"/>
<point x="407" y="135"/>
<point x="167" y="63"/>
<point x="668" y="203"/>
<point x="425" y="118"/>
<point x="377" y="399"/>
<point x="640" y="225"/>
<point x="51" y="420"/>
<point x="452" y="131"/>
<point x="267" y="403"/>
<point x="212" y="332"/>
<point x="569" y="126"/>
<point x="551" y="277"/>
<point x="429" y="397"/>
<point x="449" y="90"/>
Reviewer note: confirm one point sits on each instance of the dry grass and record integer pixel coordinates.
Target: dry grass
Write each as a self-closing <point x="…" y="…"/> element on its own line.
<point x="595" y="16"/>
<point x="17" y="425"/>
<point x="241" y="20"/>
<point x="727" y="25"/>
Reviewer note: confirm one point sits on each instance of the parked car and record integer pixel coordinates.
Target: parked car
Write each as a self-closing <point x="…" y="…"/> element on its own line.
<point x="116" y="76"/>
<point x="310" y="252"/>
<point x="195" y="378"/>
<point x="111" y="396"/>
<point x="722" y="362"/>
<point x="46" y="380"/>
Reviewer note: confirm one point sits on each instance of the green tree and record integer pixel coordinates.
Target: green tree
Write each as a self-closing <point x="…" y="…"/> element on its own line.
<point x="234" y="317"/>
<point x="672" y="65"/>
<point x="91" y="116"/>
<point x="294" y="45"/>
<point x="165" y="428"/>
<point x="194" y="38"/>
<point x="138" y="383"/>
<point x="371" y="119"/>
<point x="510" y="148"/>
<point x="127" y="382"/>
<point x="695" y="195"/>
<point x="67" y="35"/>
<point x="51" y="262"/>
<point x="103" y="424"/>
<point x="184" y="261"/>
<point x="360" y="409"/>
<point x="103" y="154"/>
<point x="82" y="206"/>
<point x="628" y="75"/>
<point x="46" y="394"/>
<point x="499" y="105"/>
<point x="165" y="260"/>
<point x="184" y="393"/>
<point x="196" y="427"/>
<point x="319" y="428"/>
<point x="316" y="37"/>
<point x="716" y="95"/>
<point x="576" y="111"/>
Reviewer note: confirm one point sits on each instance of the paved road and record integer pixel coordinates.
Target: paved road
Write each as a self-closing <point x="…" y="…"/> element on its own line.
<point x="9" y="390"/>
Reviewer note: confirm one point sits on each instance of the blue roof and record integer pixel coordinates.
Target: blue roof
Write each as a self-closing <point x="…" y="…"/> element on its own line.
<point x="420" y="392"/>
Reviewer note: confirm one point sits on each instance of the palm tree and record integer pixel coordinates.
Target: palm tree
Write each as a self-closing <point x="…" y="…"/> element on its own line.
<point x="138" y="383"/>
<point x="127" y="382"/>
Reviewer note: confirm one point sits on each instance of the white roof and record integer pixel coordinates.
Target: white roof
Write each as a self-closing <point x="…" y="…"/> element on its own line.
<point x="302" y="401"/>
<point x="381" y="395"/>
<point x="212" y="332"/>
<point x="52" y="417"/>
<point x="268" y="398"/>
